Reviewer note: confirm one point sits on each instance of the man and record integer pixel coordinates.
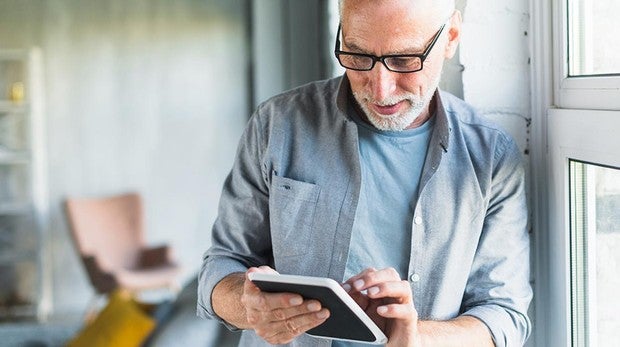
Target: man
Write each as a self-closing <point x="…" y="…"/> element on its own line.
<point x="378" y="180"/>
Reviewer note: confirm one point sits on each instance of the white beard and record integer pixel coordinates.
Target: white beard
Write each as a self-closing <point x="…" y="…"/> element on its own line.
<point x="398" y="121"/>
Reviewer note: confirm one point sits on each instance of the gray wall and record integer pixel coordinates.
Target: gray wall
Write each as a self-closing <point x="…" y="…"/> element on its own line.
<point x="142" y="95"/>
<point x="292" y="45"/>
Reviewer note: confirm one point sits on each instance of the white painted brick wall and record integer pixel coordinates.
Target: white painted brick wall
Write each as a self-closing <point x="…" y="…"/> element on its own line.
<point x="495" y="54"/>
<point x="496" y="78"/>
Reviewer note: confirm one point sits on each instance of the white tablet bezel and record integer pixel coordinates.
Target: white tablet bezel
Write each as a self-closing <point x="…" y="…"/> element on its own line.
<point x="344" y="297"/>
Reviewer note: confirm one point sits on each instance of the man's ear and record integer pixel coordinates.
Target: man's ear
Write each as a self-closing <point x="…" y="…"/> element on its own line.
<point x="454" y="34"/>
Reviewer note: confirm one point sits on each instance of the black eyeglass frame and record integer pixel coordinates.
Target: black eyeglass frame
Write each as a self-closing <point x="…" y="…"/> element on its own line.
<point x="382" y="58"/>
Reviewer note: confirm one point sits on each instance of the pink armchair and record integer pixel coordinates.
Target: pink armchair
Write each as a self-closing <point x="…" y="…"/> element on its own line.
<point x="109" y="236"/>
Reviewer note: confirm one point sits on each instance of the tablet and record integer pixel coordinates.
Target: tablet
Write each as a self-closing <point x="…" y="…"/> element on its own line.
<point x="347" y="320"/>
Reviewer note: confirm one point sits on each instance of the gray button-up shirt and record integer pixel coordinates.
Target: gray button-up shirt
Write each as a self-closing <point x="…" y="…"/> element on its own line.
<point x="291" y="197"/>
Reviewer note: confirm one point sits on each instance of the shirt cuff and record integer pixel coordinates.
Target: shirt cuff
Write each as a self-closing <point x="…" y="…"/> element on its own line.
<point x="213" y="271"/>
<point x="506" y="329"/>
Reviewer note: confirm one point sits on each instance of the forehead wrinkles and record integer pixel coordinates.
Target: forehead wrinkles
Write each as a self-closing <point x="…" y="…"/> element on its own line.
<point x="383" y="27"/>
<point x="365" y="40"/>
<point x="424" y="11"/>
<point x="366" y="32"/>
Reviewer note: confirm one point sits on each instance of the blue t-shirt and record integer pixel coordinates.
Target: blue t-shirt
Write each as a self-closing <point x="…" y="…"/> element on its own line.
<point x="391" y="163"/>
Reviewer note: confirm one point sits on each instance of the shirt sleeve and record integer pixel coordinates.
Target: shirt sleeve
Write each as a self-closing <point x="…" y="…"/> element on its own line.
<point x="498" y="290"/>
<point x="240" y="235"/>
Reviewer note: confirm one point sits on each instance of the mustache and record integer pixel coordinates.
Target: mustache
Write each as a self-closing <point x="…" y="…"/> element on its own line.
<point x="392" y="100"/>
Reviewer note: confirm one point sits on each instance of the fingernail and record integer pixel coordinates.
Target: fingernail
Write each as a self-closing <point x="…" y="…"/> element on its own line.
<point x="346" y="287"/>
<point x="359" y="284"/>
<point x="296" y="301"/>
<point x="323" y="314"/>
<point x="314" y="306"/>
<point x="382" y="309"/>
<point x="373" y="290"/>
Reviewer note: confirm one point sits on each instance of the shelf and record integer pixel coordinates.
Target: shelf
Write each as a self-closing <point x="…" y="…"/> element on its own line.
<point x="22" y="184"/>
<point x="7" y="157"/>
<point x="11" y="107"/>
<point x="9" y="256"/>
<point x="20" y="310"/>
<point x="14" y="208"/>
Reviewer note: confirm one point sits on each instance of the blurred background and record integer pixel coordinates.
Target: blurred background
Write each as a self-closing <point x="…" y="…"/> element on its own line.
<point x="105" y="97"/>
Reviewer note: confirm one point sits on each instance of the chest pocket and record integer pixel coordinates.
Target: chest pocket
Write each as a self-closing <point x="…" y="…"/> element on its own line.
<point x="291" y="211"/>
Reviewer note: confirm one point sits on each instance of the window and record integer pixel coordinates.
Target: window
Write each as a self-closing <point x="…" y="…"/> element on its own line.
<point x="580" y="253"/>
<point x="593" y="41"/>
<point x="588" y="47"/>
<point x="594" y="253"/>
<point x="579" y="138"/>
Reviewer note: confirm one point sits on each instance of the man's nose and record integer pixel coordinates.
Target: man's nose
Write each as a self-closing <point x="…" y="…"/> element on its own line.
<point x="382" y="82"/>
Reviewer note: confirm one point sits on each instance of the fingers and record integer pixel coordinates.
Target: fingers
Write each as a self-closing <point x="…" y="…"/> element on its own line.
<point x="266" y="313"/>
<point x="254" y="298"/>
<point x="355" y="279"/>
<point x="372" y="277"/>
<point x="399" y="290"/>
<point x="398" y="311"/>
<point x="283" y="324"/>
<point x="279" y="317"/>
<point x="284" y="331"/>
<point x="386" y="286"/>
<point x="263" y="269"/>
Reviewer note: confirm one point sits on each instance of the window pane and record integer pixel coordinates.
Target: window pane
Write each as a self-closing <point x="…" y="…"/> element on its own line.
<point x="595" y="254"/>
<point x="593" y="40"/>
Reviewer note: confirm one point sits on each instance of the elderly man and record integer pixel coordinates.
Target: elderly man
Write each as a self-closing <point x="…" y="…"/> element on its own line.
<point x="379" y="180"/>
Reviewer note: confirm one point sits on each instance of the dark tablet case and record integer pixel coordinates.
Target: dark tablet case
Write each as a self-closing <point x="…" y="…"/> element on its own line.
<point x="342" y="322"/>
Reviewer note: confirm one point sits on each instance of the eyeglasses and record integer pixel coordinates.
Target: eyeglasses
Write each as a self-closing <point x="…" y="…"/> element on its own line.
<point x="402" y="63"/>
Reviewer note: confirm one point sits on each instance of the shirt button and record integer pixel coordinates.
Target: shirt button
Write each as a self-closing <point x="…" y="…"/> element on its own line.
<point x="417" y="220"/>
<point x="414" y="278"/>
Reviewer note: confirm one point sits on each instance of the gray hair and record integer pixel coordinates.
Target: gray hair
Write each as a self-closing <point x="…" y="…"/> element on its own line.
<point x="444" y="8"/>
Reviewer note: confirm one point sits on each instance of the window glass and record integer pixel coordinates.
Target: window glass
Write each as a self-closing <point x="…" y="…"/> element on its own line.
<point x="593" y="40"/>
<point x="595" y="254"/>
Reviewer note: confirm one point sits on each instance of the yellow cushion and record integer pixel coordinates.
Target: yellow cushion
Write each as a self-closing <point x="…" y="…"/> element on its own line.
<point x="121" y="323"/>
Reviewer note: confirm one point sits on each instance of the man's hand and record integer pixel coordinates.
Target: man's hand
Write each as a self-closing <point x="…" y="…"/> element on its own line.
<point x="388" y="301"/>
<point x="279" y="318"/>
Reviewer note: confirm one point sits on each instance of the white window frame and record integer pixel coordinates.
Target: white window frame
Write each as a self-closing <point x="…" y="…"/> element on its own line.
<point x="588" y="92"/>
<point x="573" y="118"/>
<point x="584" y="135"/>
